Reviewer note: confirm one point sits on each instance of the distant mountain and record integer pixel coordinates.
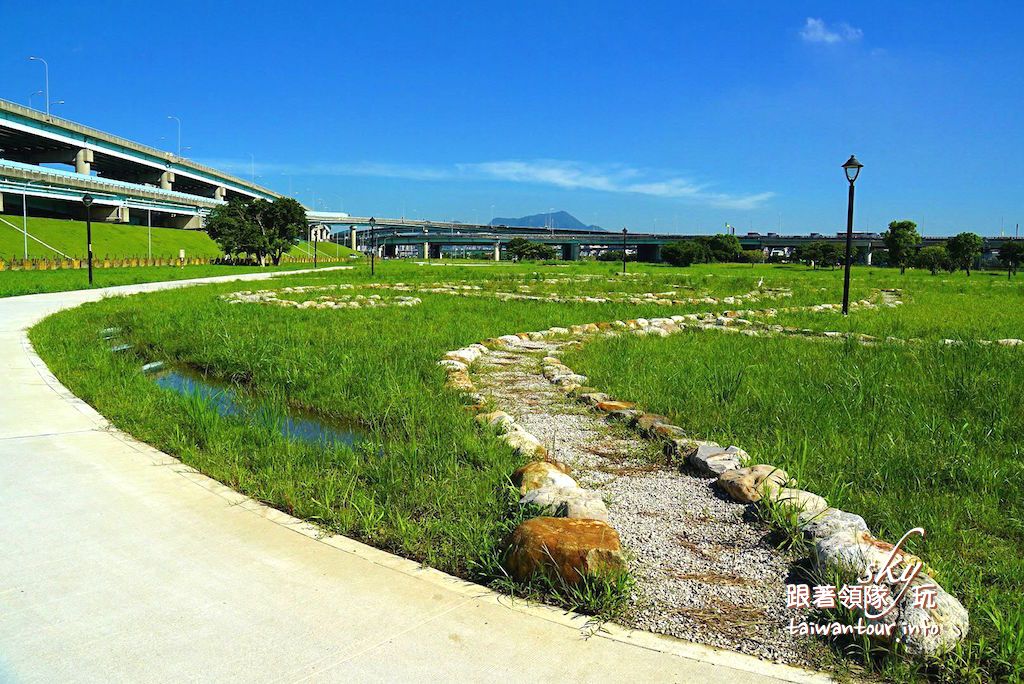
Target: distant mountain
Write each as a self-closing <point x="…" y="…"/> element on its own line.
<point x="555" y="219"/>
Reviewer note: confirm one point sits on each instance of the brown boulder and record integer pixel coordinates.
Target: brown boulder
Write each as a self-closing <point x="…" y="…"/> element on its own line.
<point x="610" y="406"/>
<point x="748" y="485"/>
<point x="647" y="421"/>
<point x="567" y="548"/>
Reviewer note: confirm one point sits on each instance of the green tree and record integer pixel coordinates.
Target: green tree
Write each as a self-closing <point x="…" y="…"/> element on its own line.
<point x="832" y="254"/>
<point x="753" y="256"/>
<point x="963" y="249"/>
<point x="283" y="224"/>
<point x="257" y="228"/>
<point x="723" y="247"/>
<point x="686" y="252"/>
<point x="230" y="226"/>
<point x="933" y="258"/>
<point x="820" y="253"/>
<point x="614" y="255"/>
<point x="1011" y="253"/>
<point x="901" y="239"/>
<point x="522" y="249"/>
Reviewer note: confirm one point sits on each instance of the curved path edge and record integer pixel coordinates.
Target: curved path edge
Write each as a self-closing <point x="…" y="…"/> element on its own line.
<point x="120" y="562"/>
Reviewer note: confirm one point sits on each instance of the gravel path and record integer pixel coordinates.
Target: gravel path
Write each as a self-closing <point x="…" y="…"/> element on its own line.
<point x="704" y="571"/>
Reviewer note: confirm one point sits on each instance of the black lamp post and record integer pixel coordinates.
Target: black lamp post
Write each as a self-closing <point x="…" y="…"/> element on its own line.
<point x="87" y="201"/>
<point x="624" y="231"/>
<point x="852" y="168"/>
<point x="316" y="240"/>
<point x="373" y="244"/>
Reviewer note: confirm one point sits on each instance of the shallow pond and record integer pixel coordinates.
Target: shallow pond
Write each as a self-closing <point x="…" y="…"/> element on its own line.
<point x="230" y="400"/>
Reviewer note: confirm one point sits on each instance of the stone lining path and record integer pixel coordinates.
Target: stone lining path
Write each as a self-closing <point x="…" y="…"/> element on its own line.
<point x="120" y="563"/>
<point x="704" y="570"/>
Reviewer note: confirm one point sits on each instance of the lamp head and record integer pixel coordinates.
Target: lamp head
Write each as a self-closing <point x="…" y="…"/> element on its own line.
<point x="852" y="168"/>
<point x="87" y="200"/>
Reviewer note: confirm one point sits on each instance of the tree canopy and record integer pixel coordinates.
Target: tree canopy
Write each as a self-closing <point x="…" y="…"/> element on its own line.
<point x="821" y="253"/>
<point x="521" y="248"/>
<point x="257" y="228"/>
<point x="686" y="253"/>
<point x="901" y="239"/>
<point x="933" y="258"/>
<point x="1011" y="253"/>
<point x="963" y="249"/>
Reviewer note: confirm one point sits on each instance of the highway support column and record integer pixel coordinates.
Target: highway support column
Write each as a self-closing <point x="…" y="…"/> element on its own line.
<point x="83" y="161"/>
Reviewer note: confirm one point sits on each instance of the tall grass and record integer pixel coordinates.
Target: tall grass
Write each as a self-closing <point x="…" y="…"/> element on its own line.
<point x="924" y="436"/>
<point x="918" y="435"/>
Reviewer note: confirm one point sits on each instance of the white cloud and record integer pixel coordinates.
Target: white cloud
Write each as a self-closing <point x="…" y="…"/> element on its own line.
<point x="569" y="175"/>
<point x="621" y="179"/>
<point x="817" y="31"/>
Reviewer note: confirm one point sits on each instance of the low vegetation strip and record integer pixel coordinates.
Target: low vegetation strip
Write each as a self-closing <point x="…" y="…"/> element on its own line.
<point x="895" y="441"/>
<point x="904" y="423"/>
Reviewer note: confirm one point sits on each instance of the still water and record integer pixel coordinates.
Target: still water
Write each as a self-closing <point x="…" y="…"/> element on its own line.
<point x="228" y="400"/>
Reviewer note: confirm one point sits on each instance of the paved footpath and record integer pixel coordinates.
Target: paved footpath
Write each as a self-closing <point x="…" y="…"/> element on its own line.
<point x="118" y="563"/>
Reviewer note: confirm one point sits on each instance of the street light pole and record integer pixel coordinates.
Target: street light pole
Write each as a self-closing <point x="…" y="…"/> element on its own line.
<point x="373" y="244"/>
<point x="87" y="201"/>
<point x="149" y="225"/>
<point x="46" y="81"/>
<point x="624" y="231"/>
<point x="852" y="168"/>
<point x="179" y="131"/>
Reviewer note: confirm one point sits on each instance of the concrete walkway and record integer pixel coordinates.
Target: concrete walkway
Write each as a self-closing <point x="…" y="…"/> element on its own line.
<point x="118" y="563"/>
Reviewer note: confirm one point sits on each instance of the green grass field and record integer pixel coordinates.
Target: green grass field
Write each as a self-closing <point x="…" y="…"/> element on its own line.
<point x="15" y="283"/>
<point x="904" y="435"/>
<point x="117" y="241"/>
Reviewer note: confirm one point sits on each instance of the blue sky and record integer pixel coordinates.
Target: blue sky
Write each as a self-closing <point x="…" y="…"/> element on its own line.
<point x="672" y="115"/>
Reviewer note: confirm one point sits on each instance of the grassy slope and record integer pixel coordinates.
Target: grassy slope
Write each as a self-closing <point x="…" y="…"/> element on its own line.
<point x="15" y="283"/>
<point x="119" y="240"/>
<point x="108" y="239"/>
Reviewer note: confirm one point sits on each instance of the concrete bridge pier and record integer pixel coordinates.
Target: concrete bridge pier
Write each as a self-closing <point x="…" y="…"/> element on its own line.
<point x="352" y="238"/>
<point x="648" y="253"/>
<point x="867" y="255"/>
<point x="117" y="214"/>
<point x="425" y="250"/>
<point x="167" y="180"/>
<point x="571" y="251"/>
<point x="83" y="161"/>
<point x="186" y="221"/>
<point x="497" y="251"/>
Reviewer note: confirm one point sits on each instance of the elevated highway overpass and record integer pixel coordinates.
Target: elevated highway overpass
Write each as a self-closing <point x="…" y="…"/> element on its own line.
<point x="432" y="239"/>
<point x="394" y="237"/>
<point x="125" y="177"/>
